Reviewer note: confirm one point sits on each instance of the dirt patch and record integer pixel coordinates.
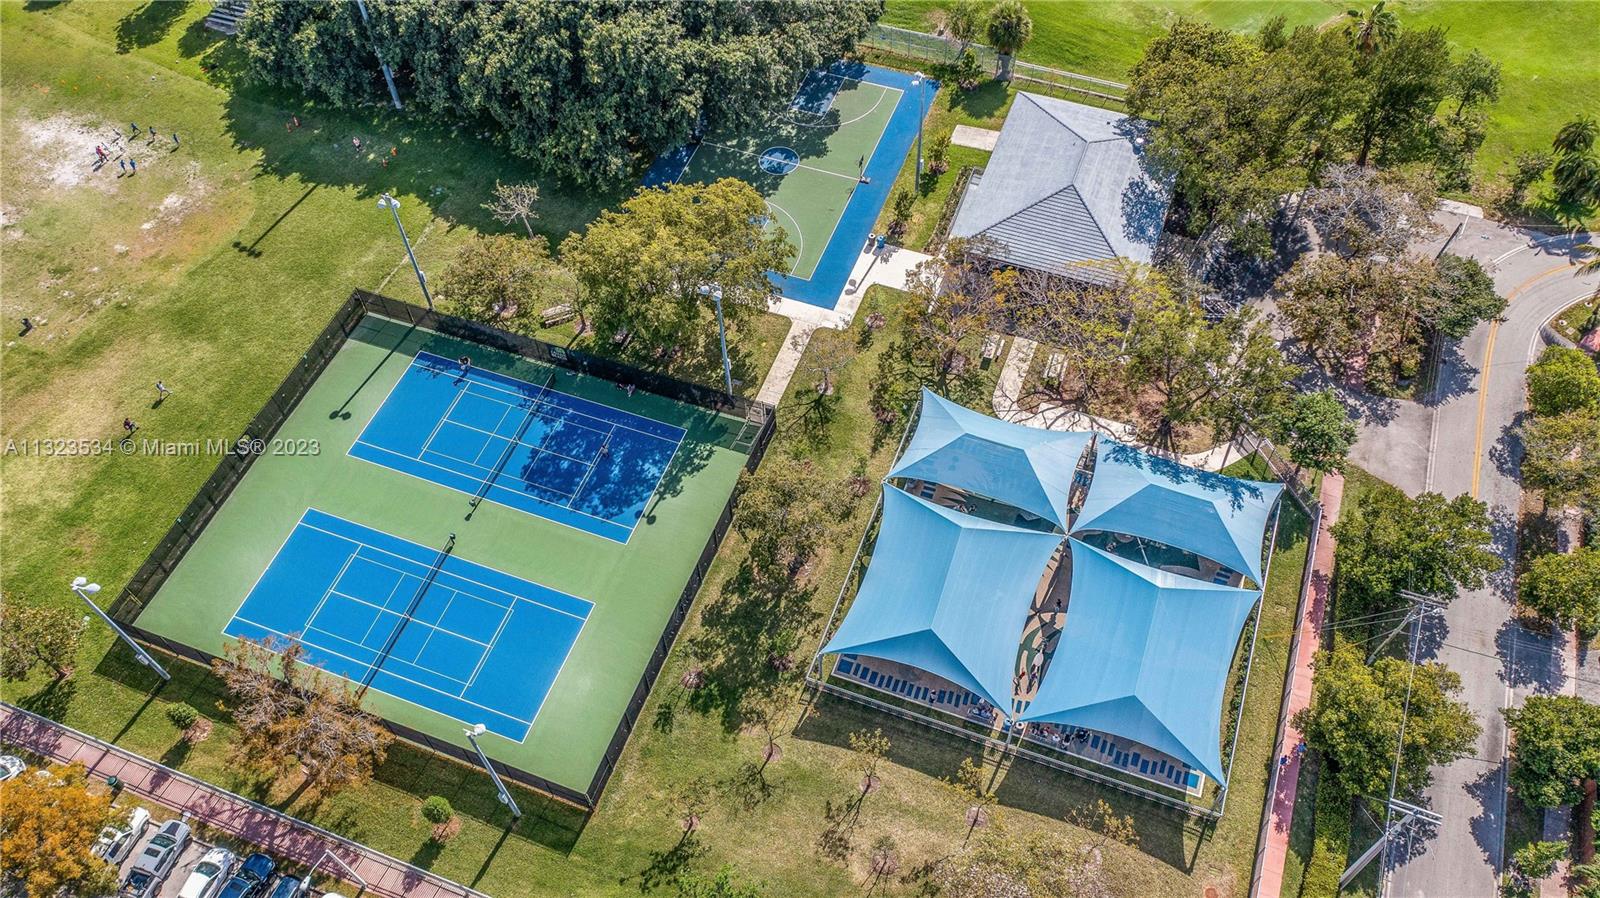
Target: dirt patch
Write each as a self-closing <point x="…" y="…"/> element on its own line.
<point x="176" y="205"/>
<point x="61" y="151"/>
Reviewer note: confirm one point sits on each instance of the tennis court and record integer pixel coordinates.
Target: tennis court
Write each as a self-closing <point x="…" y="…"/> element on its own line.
<point x="522" y="445"/>
<point x="416" y="622"/>
<point x="824" y="164"/>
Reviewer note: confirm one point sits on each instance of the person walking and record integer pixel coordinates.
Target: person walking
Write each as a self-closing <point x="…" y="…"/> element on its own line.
<point x="466" y="364"/>
<point x="133" y="164"/>
<point x="133" y="129"/>
<point x="129" y="426"/>
<point x="122" y="164"/>
<point x="162" y="392"/>
<point x="175" y="140"/>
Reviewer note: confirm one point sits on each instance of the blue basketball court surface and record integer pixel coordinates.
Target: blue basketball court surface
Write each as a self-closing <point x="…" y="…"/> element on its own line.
<point x="415" y="621"/>
<point x="521" y="445"/>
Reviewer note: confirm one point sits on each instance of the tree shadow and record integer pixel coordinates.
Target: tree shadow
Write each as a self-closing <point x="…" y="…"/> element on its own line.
<point x="666" y="866"/>
<point x="149" y="24"/>
<point x="53" y="701"/>
<point x="982" y="102"/>
<point x="1528" y="659"/>
<point x="427" y="854"/>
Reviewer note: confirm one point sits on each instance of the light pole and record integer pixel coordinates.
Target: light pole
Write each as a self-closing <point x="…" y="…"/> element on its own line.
<point x="393" y="205"/>
<point x="917" y="78"/>
<point x="388" y="76"/>
<point x="722" y="334"/>
<point x="85" y="589"/>
<point x="473" y="732"/>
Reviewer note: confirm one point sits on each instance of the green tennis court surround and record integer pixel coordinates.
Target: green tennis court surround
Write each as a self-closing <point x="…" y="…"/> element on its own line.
<point x="339" y="523"/>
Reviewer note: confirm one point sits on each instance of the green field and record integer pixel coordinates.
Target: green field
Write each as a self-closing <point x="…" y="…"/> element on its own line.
<point x="1548" y="65"/>
<point x="633" y="586"/>
<point x="808" y="201"/>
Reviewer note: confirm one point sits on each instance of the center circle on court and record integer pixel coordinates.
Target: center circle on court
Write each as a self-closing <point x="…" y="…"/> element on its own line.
<point x="779" y="160"/>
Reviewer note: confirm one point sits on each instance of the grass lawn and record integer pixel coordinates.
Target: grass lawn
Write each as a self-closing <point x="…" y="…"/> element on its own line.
<point x="1547" y="65"/>
<point x="1577" y="319"/>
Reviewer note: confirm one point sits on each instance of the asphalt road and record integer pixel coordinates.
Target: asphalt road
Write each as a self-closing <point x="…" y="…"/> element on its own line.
<point x="1471" y="448"/>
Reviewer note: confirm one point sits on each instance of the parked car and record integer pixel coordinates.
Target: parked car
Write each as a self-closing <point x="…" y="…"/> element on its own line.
<point x="117" y="840"/>
<point x="208" y="874"/>
<point x="139" y="884"/>
<point x="286" y="886"/>
<point x="251" y="879"/>
<point x="160" y="854"/>
<point x="10" y="766"/>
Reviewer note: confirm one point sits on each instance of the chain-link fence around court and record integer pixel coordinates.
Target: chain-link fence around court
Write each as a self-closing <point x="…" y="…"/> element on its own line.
<point x="937" y="50"/>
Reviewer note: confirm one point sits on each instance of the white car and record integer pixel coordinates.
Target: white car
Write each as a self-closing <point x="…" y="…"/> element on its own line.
<point x="209" y="874"/>
<point x="10" y="766"/>
<point x="117" y="840"/>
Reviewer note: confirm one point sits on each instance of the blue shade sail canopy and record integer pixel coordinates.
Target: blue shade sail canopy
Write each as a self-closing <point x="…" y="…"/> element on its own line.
<point x="1212" y="515"/>
<point x="1022" y="466"/>
<point x="1145" y="655"/>
<point x="947" y="593"/>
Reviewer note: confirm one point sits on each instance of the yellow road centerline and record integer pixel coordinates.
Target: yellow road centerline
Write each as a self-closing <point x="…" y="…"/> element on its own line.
<point x="1483" y="381"/>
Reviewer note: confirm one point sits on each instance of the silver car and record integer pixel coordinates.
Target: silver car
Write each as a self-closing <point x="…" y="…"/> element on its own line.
<point x="117" y="840"/>
<point x="160" y="854"/>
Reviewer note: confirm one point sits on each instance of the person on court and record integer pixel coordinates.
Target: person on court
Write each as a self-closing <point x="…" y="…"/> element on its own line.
<point x="466" y="365"/>
<point x="162" y="392"/>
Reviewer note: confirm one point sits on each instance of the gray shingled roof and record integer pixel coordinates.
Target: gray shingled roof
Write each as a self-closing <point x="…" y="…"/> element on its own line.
<point x="1066" y="187"/>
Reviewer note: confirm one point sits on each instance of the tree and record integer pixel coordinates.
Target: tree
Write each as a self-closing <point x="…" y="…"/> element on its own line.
<point x="869" y="751"/>
<point x="1238" y="124"/>
<point x="515" y="202"/>
<point x="1085" y="323"/>
<point x="584" y="87"/>
<point x="1563" y="380"/>
<point x="640" y="268"/>
<point x="1475" y="79"/>
<point x="504" y="281"/>
<point x="1576" y="137"/>
<point x="1527" y="169"/>
<point x="954" y="303"/>
<point x="1565" y="588"/>
<point x="1224" y="373"/>
<point x="1402" y="86"/>
<point x="1009" y="26"/>
<point x="1536" y="860"/>
<point x="962" y="21"/>
<point x="1317" y="430"/>
<point x="1561" y="457"/>
<point x="1466" y="295"/>
<point x="33" y="635"/>
<point x="1002" y="864"/>
<point x="1363" y="211"/>
<point x="721" y="884"/>
<point x="1429" y="545"/>
<point x="308" y="718"/>
<point x="827" y="353"/>
<point x="971" y="786"/>
<point x="1555" y="747"/>
<point x="50" y="823"/>
<point x="1371" y="29"/>
<point x="1355" y="715"/>
<point x="441" y="816"/>
<point x="783" y="513"/>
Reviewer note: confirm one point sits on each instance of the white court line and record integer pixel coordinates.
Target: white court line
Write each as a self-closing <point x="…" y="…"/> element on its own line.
<point x="332" y="635"/>
<point x="886" y="90"/>
<point x="482" y="481"/>
<point x="534" y="446"/>
<point x="325" y="593"/>
<point x="759" y="156"/>
<point x="396" y="585"/>
<point x="552" y="390"/>
<point x="799" y="233"/>
<point x="391" y="673"/>
<point x="495" y="639"/>
<point x="604" y="443"/>
<point x="460" y="577"/>
<point x="503" y="504"/>
<point x="437" y="425"/>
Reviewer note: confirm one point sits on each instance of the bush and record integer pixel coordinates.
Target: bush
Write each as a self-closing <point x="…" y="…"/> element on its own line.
<point x="436" y="810"/>
<point x="183" y="715"/>
<point x="1563" y="380"/>
<point x="1537" y="860"/>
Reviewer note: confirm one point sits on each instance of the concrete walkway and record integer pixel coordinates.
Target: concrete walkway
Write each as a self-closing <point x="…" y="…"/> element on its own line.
<point x="891" y="268"/>
<point x="1007" y="407"/>
<point x="277" y="834"/>
<point x="1284" y="785"/>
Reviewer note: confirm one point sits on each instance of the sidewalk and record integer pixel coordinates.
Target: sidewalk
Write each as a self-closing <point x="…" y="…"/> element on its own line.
<point x="277" y="834"/>
<point x="1286" y="778"/>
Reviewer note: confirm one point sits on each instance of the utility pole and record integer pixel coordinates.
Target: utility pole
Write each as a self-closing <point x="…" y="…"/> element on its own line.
<point x="388" y="76"/>
<point x="1421" y="607"/>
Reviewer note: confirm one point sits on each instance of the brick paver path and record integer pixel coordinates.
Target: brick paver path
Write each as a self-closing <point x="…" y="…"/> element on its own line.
<point x="276" y="833"/>
<point x="1269" y="882"/>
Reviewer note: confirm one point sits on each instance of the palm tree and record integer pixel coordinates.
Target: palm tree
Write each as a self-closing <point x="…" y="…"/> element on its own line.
<point x="1008" y="29"/>
<point x="1588" y="265"/>
<point x="1372" y="29"/>
<point x="1577" y="179"/>
<point x="1576" y="136"/>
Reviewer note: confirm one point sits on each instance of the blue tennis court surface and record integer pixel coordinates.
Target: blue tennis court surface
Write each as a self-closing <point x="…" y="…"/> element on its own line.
<point x="479" y="645"/>
<point x="521" y="445"/>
